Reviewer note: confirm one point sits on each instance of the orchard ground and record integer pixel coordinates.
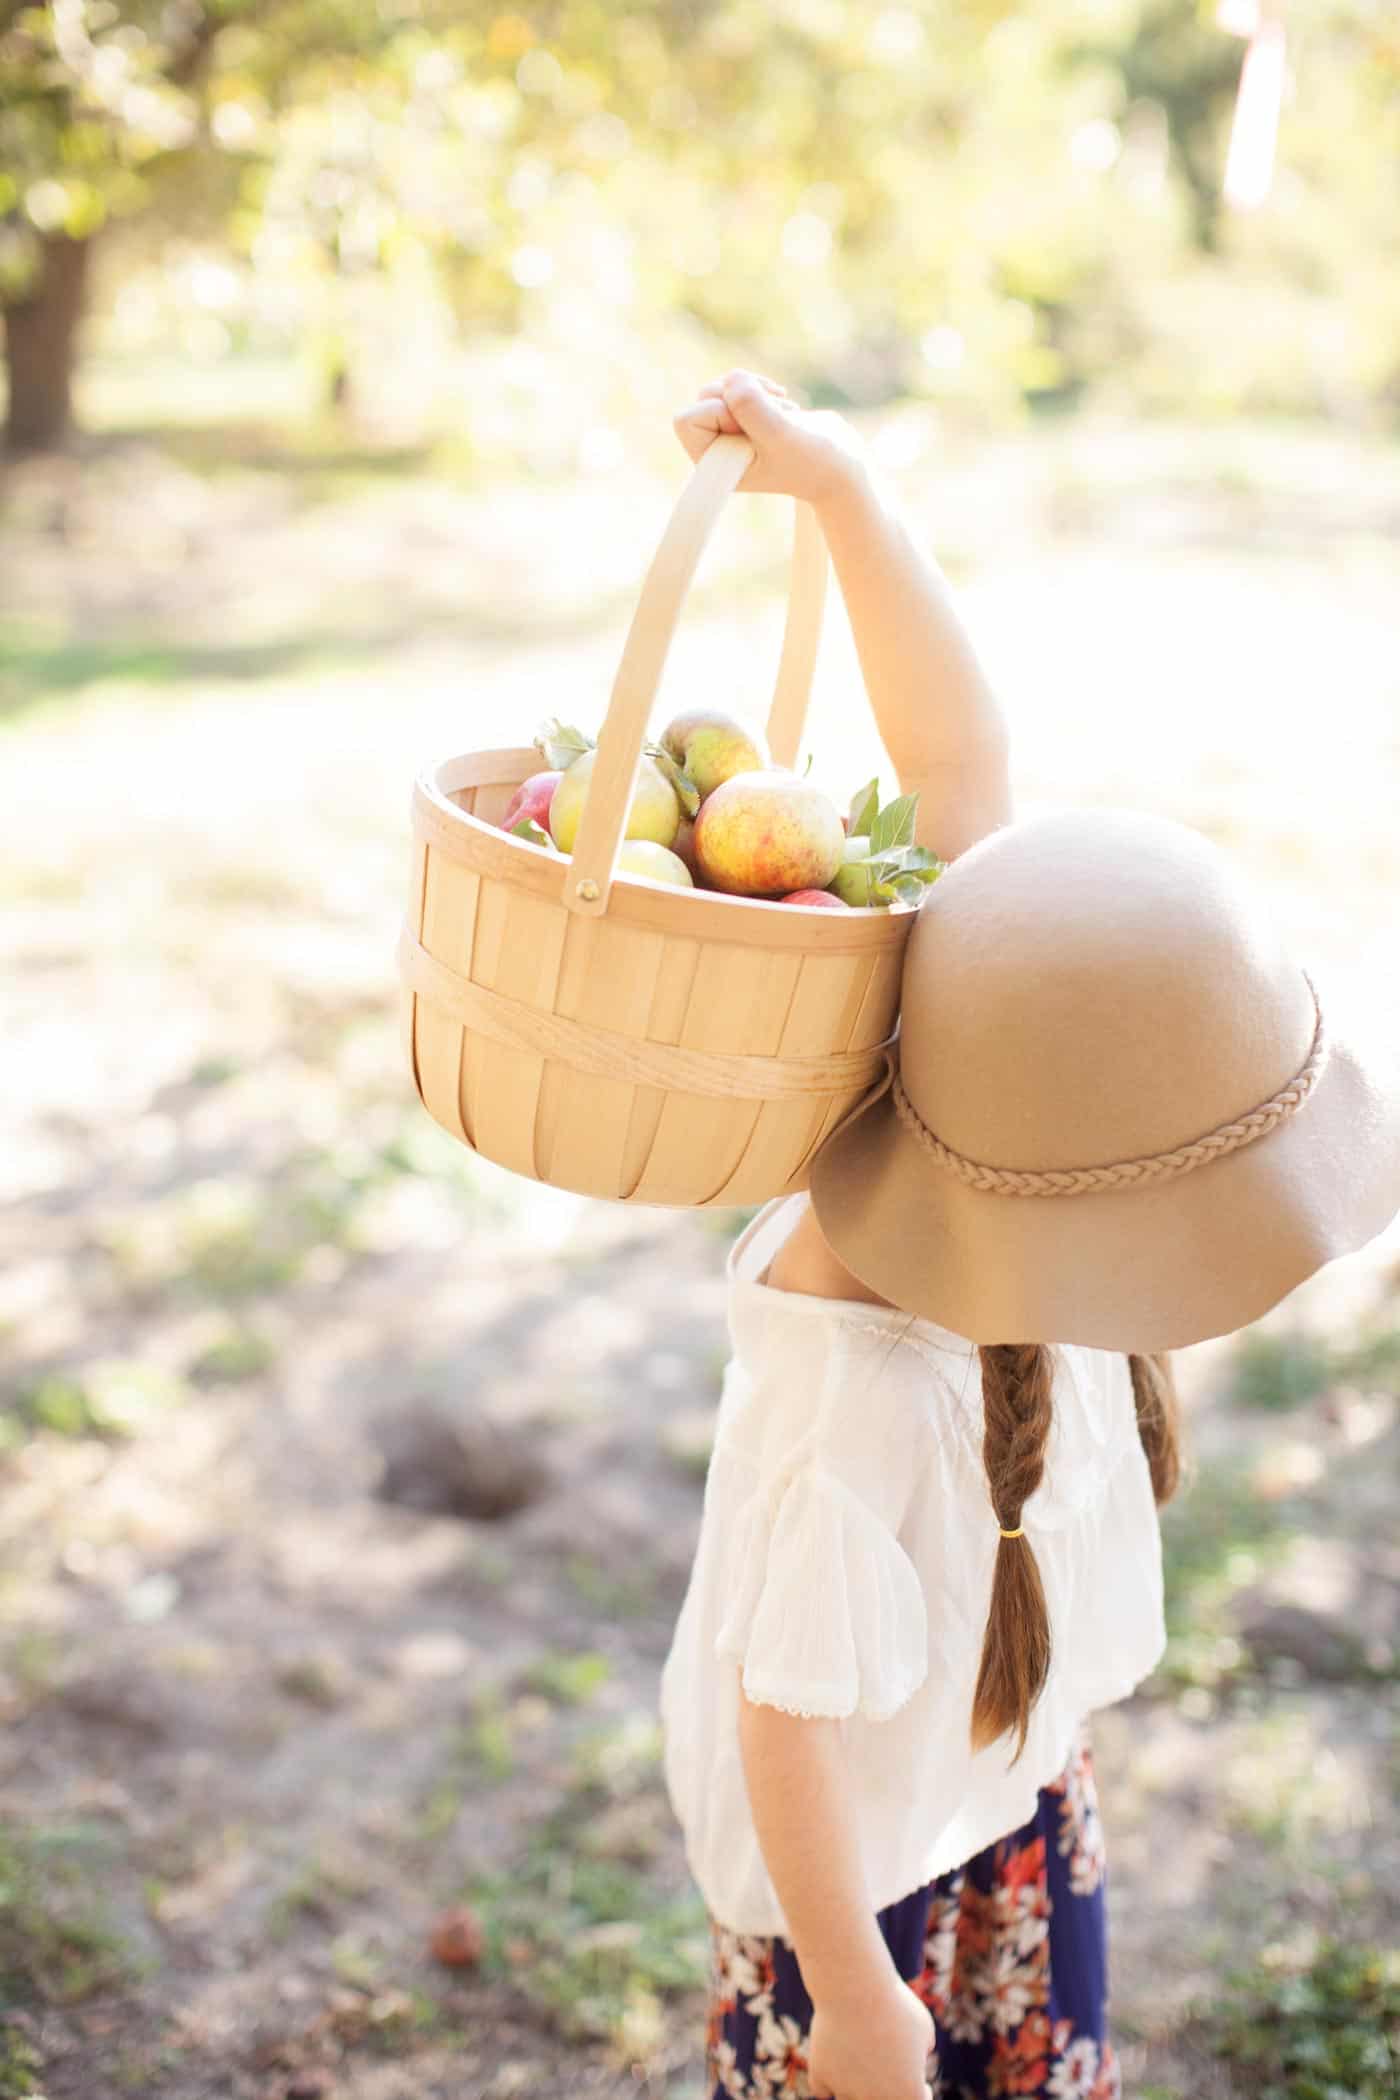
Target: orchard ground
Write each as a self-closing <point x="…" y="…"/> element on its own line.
<point x="349" y="1485"/>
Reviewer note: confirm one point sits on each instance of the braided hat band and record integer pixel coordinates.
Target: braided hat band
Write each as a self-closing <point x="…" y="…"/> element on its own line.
<point x="1129" y="1173"/>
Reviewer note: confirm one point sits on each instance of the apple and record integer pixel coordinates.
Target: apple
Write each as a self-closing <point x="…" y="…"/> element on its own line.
<point x="457" y="1938"/>
<point x="531" y="799"/>
<point x="656" y="863"/>
<point x="683" y="846"/>
<point x="712" y="747"/>
<point x="767" y="834"/>
<point x="655" y="813"/>
<point x="822" y="899"/>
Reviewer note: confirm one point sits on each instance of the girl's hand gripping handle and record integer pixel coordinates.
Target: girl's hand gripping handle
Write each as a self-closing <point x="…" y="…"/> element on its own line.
<point x="802" y="452"/>
<point x="936" y="713"/>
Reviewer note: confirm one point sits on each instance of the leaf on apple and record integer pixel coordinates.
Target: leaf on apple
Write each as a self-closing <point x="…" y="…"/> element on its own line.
<point x="559" y="743"/>
<point x="904" y="875"/>
<point x="531" y="832"/>
<point x="687" y="793"/>
<point x="893" y="826"/>
<point x="865" y="807"/>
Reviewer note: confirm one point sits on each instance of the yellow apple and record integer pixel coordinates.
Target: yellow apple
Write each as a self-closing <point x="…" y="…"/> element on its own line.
<point x="655" y="813"/>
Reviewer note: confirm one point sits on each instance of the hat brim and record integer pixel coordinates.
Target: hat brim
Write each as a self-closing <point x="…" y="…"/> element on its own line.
<point x="1152" y="1268"/>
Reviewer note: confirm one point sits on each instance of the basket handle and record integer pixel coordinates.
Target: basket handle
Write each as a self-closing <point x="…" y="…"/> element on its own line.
<point x="718" y="473"/>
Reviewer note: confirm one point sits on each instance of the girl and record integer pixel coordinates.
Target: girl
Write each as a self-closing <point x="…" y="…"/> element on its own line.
<point x="1119" y="1124"/>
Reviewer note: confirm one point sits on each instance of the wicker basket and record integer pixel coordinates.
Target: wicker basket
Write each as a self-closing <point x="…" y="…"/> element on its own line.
<point x="620" y="1038"/>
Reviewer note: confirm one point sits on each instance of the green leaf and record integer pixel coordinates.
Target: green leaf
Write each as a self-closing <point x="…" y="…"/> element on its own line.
<point x="687" y="793"/>
<point x="529" y="830"/>
<point x="559" y="743"/>
<point x="806" y="770"/>
<point x="915" y="859"/>
<point x="894" y="825"/>
<point x="865" y="807"/>
<point x="908" y="889"/>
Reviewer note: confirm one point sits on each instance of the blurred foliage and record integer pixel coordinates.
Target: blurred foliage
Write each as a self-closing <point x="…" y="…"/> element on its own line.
<point x="56" y="1943"/>
<point x="989" y="205"/>
<point x="1316" y="2028"/>
<point x="1278" y="1372"/>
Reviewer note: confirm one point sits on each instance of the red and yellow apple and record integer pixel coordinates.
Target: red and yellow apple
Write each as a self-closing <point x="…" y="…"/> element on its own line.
<point x="531" y="799"/>
<point x="767" y="834"/>
<point x="823" y="900"/>
<point x="655" y="813"/>
<point x="712" y="747"/>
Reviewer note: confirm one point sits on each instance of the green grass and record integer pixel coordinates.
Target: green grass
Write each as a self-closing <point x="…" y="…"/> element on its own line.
<point x="594" y="1944"/>
<point x="57" y="1944"/>
<point x="315" y="1895"/>
<point x="112" y="1398"/>
<point x="38" y="668"/>
<point x="569" y="1680"/>
<point x="240" y="1354"/>
<point x="20" y="2065"/>
<point x="1218" y="1535"/>
<point x="1278" y="1372"/>
<point x="1327" y="2028"/>
<point x="616" y="1596"/>
<point x="1275" y="1373"/>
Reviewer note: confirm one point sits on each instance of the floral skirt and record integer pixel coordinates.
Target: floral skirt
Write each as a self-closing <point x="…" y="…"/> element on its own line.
<point x="1007" y="1952"/>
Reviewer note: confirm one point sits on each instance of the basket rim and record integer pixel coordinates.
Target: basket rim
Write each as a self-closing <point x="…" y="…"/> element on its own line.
<point x="651" y="907"/>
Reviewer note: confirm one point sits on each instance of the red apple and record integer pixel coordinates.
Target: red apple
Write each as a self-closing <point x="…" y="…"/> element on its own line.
<point x="823" y="899"/>
<point x="531" y="799"/>
<point x="683" y="846"/>
<point x="457" y="1939"/>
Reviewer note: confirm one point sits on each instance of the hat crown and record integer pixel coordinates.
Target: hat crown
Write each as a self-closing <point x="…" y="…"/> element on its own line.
<point x="1090" y="988"/>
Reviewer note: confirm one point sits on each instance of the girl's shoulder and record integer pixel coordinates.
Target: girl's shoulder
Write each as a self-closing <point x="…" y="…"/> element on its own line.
<point x="816" y="1369"/>
<point x="829" y="1359"/>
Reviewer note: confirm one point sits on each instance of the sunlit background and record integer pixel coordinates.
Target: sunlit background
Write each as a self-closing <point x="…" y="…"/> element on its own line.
<point x="348" y="1485"/>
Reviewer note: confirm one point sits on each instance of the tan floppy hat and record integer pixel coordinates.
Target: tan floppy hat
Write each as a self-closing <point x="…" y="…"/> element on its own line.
<point x="1121" y="1114"/>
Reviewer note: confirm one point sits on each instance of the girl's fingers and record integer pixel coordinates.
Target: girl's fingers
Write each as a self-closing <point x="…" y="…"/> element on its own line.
<point x="713" y="417"/>
<point x="717" y="386"/>
<point x="698" y="427"/>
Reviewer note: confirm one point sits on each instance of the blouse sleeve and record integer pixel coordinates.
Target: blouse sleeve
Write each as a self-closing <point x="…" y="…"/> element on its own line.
<point x="825" y="1611"/>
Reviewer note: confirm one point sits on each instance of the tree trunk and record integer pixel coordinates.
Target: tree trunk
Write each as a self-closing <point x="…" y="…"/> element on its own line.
<point x="41" y="334"/>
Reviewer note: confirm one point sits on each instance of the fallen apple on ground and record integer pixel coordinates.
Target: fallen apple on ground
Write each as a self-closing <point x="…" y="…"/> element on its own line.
<point x="767" y="834"/>
<point x="457" y="1938"/>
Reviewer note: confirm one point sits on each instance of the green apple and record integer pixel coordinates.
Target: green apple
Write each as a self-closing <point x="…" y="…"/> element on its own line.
<point x="656" y="863"/>
<point x="655" y="813"/>
<point x="712" y="747"/>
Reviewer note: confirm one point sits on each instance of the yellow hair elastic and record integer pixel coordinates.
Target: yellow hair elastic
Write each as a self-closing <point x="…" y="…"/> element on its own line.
<point x="1018" y="1533"/>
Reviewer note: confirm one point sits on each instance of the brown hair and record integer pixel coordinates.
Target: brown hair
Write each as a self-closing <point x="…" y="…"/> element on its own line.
<point x="1017" y="1411"/>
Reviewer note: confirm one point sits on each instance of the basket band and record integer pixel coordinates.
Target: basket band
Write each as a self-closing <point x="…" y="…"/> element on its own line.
<point x="666" y="1065"/>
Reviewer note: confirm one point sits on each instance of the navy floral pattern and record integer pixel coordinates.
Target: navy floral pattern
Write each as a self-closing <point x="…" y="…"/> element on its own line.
<point x="1007" y="1952"/>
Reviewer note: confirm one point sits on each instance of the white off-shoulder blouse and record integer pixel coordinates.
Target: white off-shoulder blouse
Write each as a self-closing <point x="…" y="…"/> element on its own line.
<point x="844" y="1569"/>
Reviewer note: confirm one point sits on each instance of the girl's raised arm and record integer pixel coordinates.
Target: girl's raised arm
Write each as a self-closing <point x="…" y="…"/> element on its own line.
<point x="937" y="716"/>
